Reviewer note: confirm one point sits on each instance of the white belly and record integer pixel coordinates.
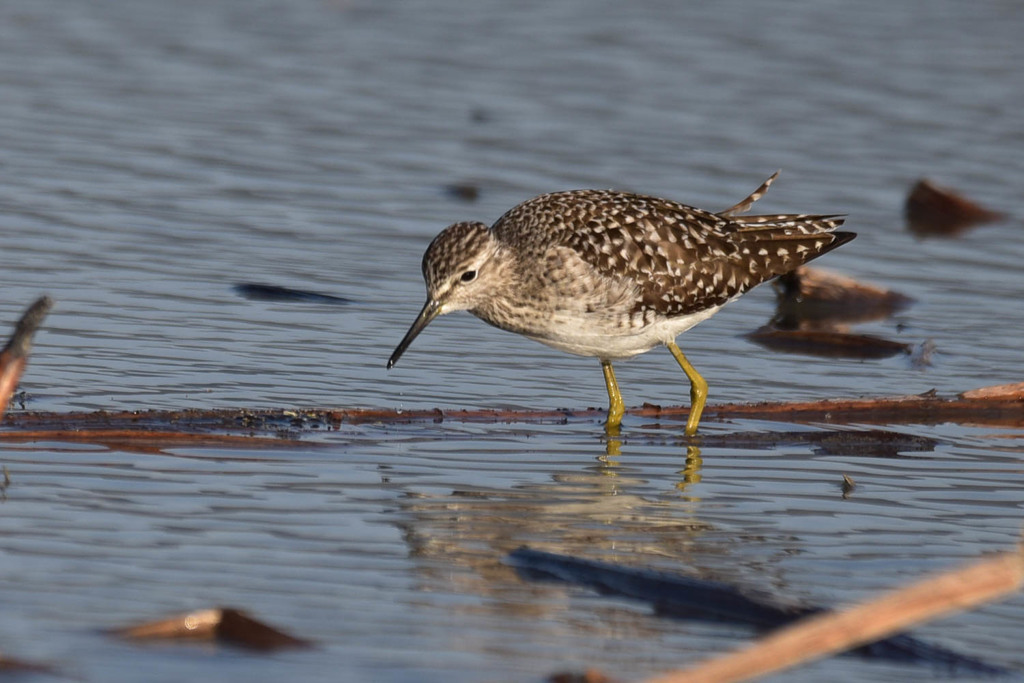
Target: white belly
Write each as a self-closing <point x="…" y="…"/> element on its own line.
<point x="575" y="339"/>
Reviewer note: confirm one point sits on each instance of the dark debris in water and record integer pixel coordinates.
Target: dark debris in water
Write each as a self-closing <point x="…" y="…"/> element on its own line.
<point x="872" y="443"/>
<point x="222" y="624"/>
<point x="264" y="292"/>
<point x="467" y="192"/>
<point x="588" y="676"/>
<point x="685" y="597"/>
<point x="828" y="343"/>
<point x="868" y="443"/>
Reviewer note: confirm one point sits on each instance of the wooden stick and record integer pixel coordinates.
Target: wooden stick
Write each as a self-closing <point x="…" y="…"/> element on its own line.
<point x="834" y="632"/>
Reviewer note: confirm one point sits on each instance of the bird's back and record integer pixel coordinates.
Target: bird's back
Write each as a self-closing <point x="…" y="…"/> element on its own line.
<point x="683" y="260"/>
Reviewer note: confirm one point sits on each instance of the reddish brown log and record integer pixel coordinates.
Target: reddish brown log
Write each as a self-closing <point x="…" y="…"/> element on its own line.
<point x="1001" y="406"/>
<point x="932" y="210"/>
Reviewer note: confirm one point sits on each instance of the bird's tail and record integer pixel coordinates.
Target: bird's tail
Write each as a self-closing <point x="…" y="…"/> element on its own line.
<point x="777" y="244"/>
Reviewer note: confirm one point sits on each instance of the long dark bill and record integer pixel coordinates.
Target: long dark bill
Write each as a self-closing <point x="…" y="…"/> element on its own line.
<point x="431" y="310"/>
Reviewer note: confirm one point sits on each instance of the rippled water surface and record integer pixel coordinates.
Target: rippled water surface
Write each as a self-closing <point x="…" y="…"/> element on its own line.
<point x="152" y="155"/>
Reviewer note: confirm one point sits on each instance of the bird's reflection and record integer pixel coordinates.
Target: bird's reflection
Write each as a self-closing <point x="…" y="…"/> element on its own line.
<point x="690" y="474"/>
<point x="636" y="500"/>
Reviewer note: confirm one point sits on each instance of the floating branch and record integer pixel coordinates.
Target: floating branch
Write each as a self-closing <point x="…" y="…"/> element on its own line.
<point x="686" y="597"/>
<point x="154" y="429"/>
<point x="833" y="632"/>
<point x="14" y="356"/>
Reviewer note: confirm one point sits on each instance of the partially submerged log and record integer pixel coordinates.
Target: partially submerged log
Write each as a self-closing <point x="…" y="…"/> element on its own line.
<point x="801" y="634"/>
<point x="932" y="210"/>
<point x="1001" y="405"/>
<point x="814" y="311"/>
<point x="155" y="429"/>
<point x="833" y="632"/>
<point x="815" y="298"/>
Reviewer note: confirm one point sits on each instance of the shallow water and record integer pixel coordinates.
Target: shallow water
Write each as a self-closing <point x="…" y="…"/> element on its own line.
<point x="155" y="155"/>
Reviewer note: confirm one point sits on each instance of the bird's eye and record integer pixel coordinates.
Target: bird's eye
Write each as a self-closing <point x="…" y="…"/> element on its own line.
<point x="468" y="276"/>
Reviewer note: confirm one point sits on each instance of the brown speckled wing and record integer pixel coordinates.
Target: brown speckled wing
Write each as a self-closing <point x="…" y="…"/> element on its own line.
<point x="683" y="259"/>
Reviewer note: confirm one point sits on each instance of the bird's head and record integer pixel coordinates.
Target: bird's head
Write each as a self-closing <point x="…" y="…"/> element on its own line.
<point x="456" y="268"/>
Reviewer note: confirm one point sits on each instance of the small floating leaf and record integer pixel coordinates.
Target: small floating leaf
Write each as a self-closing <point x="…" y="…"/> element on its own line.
<point x="848" y="485"/>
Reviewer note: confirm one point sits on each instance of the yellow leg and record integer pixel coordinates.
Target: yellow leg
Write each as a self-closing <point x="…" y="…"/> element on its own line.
<point x="616" y="409"/>
<point x="698" y="389"/>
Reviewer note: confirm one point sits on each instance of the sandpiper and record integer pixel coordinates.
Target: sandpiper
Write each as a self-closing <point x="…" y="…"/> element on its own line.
<point x="612" y="274"/>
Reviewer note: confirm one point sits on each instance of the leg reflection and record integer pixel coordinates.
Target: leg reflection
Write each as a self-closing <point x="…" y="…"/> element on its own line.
<point x="612" y="450"/>
<point x="690" y="474"/>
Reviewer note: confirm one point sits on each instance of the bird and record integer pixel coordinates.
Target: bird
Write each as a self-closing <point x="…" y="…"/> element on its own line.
<point x="611" y="274"/>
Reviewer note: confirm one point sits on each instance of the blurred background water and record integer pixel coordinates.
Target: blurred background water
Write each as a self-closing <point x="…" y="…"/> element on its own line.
<point x="154" y="154"/>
